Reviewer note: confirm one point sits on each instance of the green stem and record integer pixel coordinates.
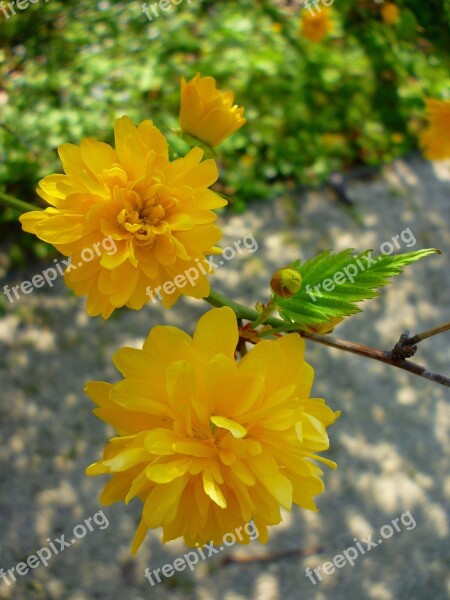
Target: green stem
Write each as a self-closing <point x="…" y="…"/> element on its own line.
<point x="243" y="312"/>
<point x="15" y="203"/>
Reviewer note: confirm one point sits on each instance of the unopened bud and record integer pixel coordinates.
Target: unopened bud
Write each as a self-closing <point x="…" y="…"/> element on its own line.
<point x="323" y="327"/>
<point x="286" y="282"/>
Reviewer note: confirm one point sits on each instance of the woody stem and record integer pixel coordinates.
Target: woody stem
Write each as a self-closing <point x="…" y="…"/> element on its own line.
<point x="387" y="357"/>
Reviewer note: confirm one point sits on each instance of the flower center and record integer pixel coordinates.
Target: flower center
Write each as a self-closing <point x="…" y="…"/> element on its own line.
<point x="144" y="222"/>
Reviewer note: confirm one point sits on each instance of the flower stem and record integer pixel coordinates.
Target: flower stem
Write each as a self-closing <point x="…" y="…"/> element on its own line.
<point x="243" y="312"/>
<point x="15" y="203"/>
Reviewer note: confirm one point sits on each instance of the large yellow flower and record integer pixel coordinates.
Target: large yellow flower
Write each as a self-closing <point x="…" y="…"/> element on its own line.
<point x="157" y="214"/>
<point x="390" y="13"/>
<point x="206" y="113"/>
<point x="435" y="139"/>
<point x="316" y="26"/>
<point x="205" y="442"/>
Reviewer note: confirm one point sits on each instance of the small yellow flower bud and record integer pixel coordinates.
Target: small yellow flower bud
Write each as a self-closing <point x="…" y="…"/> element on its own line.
<point x="286" y="282"/>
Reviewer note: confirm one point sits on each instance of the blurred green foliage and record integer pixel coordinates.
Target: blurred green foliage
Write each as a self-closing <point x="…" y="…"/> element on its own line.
<point x="69" y="68"/>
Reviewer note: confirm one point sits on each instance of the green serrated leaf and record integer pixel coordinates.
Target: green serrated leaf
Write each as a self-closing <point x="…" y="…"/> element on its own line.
<point x="332" y="284"/>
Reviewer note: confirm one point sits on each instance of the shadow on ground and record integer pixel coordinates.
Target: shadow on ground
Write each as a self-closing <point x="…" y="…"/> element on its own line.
<point x="391" y="443"/>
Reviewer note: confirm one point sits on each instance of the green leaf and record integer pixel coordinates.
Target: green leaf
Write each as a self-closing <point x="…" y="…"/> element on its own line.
<point x="193" y="142"/>
<point x="332" y="284"/>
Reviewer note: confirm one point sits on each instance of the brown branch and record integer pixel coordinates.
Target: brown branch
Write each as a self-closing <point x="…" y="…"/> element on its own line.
<point x="428" y="333"/>
<point x="380" y="355"/>
<point x="243" y="312"/>
<point x="407" y="346"/>
<point x="227" y="560"/>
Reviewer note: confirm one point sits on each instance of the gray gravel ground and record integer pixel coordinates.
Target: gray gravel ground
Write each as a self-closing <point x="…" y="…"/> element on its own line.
<point x="391" y="443"/>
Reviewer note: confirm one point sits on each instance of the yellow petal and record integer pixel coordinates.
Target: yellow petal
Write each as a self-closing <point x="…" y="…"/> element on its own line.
<point x="209" y="199"/>
<point x="70" y="156"/>
<point x="162" y="503"/>
<point x="164" y="339"/>
<point x="213" y="490"/>
<point x="98" y="391"/>
<point x="194" y="448"/>
<point x="276" y="484"/>
<point x="152" y="138"/>
<point x="191" y="110"/>
<point x="160" y="441"/>
<point x="97" y="468"/>
<point x="181" y="383"/>
<point x="237" y="430"/>
<point x="54" y="188"/>
<point x="216" y="125"/>
<point x="97" y="156"/>
<point x="60" y="229"/>
<point x="116" y="489"/>
<point x="135" y="395"/>
<point x="217" y="333"/>
<point x="167" y="472"/>
<point x="314" y="433"/>
<point x="126" y="459"/>
<point x="139" y="536"/>
<point x="137" y="364"/>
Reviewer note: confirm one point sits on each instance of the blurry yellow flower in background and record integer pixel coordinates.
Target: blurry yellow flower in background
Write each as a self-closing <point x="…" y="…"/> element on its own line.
<point x="316" y="26"/>
<point x="205" y="442"/>
<point x="277" y="27"/>
<point x="248" y="160"/>
<point x="157" y="212"/>
<point x="397" y="137"/>
<point x="435" y="139"/>
<point x="206" y="113"/>
<point x="334" y="138"/>
<point x="390" y="13"/>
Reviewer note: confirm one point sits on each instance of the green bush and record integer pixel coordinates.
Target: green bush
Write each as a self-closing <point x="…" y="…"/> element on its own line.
<point x="70" y="68"/>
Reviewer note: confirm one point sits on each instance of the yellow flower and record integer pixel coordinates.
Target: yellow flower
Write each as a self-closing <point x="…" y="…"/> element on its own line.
<point x="316" y="26"/>
<point x="155" y="213"/>
<point x="208" y="443"/>
<point x="435" y="139"/>
<point x="206" y="113"/>
<point x="389" y="13"/>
